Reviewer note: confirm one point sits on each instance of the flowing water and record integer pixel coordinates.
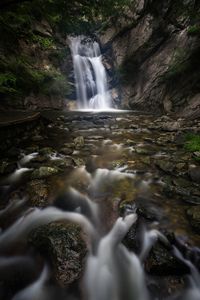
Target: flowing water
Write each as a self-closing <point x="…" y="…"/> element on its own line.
<point x="107" y="191"/>
<point x="90" y="75"/>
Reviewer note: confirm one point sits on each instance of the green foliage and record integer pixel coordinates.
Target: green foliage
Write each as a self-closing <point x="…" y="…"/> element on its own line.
<point x="194" y="30"/>
<point x="44" y="42"/>
<point x="18" y="76"/>
<point x="192" y="143"/>
<point x="7" y="83"/>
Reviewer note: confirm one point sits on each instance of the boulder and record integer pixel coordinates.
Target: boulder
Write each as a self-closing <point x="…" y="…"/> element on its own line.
<point x="162" y="262"/>
<point x="165" y="166"/>
<point x="63" y="245"/>
<point x="44" y="172"/>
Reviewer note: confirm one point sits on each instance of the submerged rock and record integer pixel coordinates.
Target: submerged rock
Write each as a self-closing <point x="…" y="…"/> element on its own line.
<point x="62" y="244"/>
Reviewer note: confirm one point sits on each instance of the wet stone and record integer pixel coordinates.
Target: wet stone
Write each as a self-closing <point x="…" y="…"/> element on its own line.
<point x="79" y="142"/>
<point x="162" y="262"/>
<point x="194" y="173"/>
<point x="140" y="150"/>
<point x="44" y="172"/>
<point x="165" y="166"/>
<point x="62" y="163"/>
<point x="62" y="244"/>
<point x="193" y="214"/>
<point x="38" y="193"/>
<point x="66" y="151"/>
<point x="46" y="151"/>
<point x="78" y="162"/>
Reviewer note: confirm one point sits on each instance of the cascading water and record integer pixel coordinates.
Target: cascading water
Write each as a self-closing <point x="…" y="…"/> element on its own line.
<point x="113" y="270"/>
<point x="90" y="75"/>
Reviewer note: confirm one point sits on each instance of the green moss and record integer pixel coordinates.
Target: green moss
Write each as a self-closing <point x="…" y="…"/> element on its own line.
<point x="192" y="143"/>
<point x="194" y="30"/>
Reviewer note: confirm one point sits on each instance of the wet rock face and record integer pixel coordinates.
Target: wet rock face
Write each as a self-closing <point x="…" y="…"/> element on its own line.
<point x="155" y="53"/>
<point x="62" y="244"/>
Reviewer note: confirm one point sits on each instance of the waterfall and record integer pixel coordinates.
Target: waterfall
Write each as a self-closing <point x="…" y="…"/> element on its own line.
<point x="90" y="74"/>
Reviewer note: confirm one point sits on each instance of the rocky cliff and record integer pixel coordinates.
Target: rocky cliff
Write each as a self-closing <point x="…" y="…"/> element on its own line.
<point x="35" y="60"/>
<point x="156" y="49"/>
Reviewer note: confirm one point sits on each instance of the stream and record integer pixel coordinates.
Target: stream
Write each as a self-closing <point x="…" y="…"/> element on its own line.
<point x="99" y="207"/>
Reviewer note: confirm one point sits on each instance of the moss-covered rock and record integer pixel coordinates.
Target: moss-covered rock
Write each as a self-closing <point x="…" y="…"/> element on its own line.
<point x="44" y="172"/>
<point x="63" y="245"/>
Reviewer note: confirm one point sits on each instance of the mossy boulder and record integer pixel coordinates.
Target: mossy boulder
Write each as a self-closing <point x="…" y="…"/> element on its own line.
<point x="62" y="244"/>
<point x="44" y="172"/>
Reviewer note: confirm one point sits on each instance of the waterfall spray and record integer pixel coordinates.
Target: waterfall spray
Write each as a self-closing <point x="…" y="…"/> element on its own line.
<point x="90" y="75"/>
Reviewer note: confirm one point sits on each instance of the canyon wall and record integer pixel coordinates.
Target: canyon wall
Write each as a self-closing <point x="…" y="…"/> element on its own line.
<point x="156" y="49"/>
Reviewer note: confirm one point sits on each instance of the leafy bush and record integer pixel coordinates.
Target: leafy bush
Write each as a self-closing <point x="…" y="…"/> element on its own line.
<point x="44" y="42"/>
<point x="192" y="143"/>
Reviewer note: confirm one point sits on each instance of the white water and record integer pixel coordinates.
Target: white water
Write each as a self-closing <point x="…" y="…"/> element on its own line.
<point x="90" y="75"/>
<point x="112" y="271"/>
